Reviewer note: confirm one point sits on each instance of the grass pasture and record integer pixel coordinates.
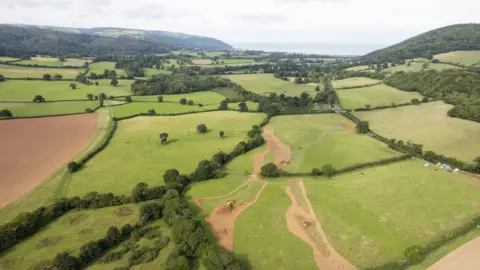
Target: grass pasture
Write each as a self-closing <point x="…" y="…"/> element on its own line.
<point x="428" y="124"/>
<point x="160" y="108"/>
<point x="400" y="205"/>
<point x="68" y="233"/>
<point x="20" y="90"/>
<point x="418" y="66"/>
<point x="202" y="61"/>
<point x="228" y="93"/>
<point x="7" y="59"/>
<point x="376" y="95"/>
<point x="316" y="140"/>
<point x="352" y="82"/>
<point x="135" y="153"/>
<point x="25" y="72"/>
<point x="47" y="108"/>
<point x="358" y="68"/>
<point x="149" y="72"/>
<point x="205" y="98"/>
<point x="466" y="58"/>
<point x="100" y="67"/>
<point x="265" y="84"/>
<point x="54" y="62"/>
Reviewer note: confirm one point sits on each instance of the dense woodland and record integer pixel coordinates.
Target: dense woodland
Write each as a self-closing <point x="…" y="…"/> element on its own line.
<point x="176" y="84"/>
<point x="441" y="40"/>
<point x="457" y="87"/>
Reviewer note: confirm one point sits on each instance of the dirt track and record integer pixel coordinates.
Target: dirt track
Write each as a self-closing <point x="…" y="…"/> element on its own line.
<point x="325" y="255"/>
<point x="465" y="257"/>
<point x="34" y="149"/>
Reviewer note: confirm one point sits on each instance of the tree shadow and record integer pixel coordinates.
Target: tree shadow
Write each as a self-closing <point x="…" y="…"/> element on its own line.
<point x="170" y="141"/>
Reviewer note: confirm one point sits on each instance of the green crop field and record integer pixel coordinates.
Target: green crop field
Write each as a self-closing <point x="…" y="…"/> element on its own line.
<point x="25" y="72"/>
<point x="160" y="108"/>
<point x="205" y="98"/>
<point x="377" y="95"/>
<point x="6" y="59"/>
<point x="47" y="108"/>
<point x="68" y="233"/>
<point x="100" y="67"/>
<point x="16" y="90"/>
<point x="358" y="68"/>
<point x="400" y="205"/>
<point x="136" y="146"/>
<point x="316" y="140"/>
<point x="352" y="82"/>
<point x="466" y="58"/>
<point x="428" y="124"/>
<point x="417" y="66"/>
<point x="265" y="84"/>
<point x="149" y="72"/>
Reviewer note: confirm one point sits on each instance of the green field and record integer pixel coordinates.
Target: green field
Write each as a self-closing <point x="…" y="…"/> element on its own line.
<point x="6" y="59"/>
<point x="316" y="140"/>
<point x="400" y="205"/>
<point x="149" y="72"/>
<point x="100" y="67"/>
<point x="160" y="108"/>
<point x="352" y="82"/>
<point x="358" y="68"/>
<point x="228" y="93"/>
<point x="135" y="153"/>
<point x="377" y="95"/>
<point x="53" y="62"/>
<point x="16" y="90"/>
<point x="205" y="98"/>
<point x="68" y="233"/>
<point x="466" y="58"/>
<point x="417" y="66"/>
<point x="265" y="84"/>
<point x="25" y="72"/>
<point x="47" y="108"/>
<point x="428" y="124"/>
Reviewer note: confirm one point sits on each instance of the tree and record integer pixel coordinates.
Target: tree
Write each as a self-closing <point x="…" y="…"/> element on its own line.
<point x="6" y="113"/>
<point x="317" y="88"/>
<point x="202" y="128"/>
<point x="114" y="82"/>
<point x="362" y="127"/>
<point x="97" y="84"/>
<point x="38" y="98"/>
<point x="160" y="98"/>
<point x="183" y="101"/>
<point x="269" y="170"/>
<point x="128" y="99"/>
<point x="425" y="65"/>
<point x="477" y="160"/>
<point x="47" y="77"/>
<point x="2" y="78"/>
<point x="90" y="96"/>
<point x="367" y="106"/>
<point x="93" y="76"/>
<point x="61" y="59"/>
<point x="170" y="176"/>
<point x="73" y="166"/>
<point x="73" y="86"/>
<point x="425" y="99"/>
<point x="243" y="107"/>
<point x="414" y="254"/>
<point x="65" y="261"/>
<point x="223" y="105"/>
<point x="164" y="137"/>
<point x="190" y="102"/>
<point x="385" y="65"/>
<point x="415" y="101"/>
<point x="152" y="112"/>
<point x="393" y="104"/>
<point x="57" y="77"/>
<point x="328" y="170"/>
<point x="221" y="134"/>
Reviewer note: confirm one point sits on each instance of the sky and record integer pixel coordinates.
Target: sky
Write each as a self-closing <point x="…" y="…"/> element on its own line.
<point x="254" y="21"/>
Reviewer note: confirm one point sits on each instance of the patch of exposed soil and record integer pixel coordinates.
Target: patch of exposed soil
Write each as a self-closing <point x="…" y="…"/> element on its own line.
<point x="305" y="225"/>
<point x="281" y="150"/>
<point x="463" y="258"/>
<point x="34" y="149"/>
<point x="349" y="126"/>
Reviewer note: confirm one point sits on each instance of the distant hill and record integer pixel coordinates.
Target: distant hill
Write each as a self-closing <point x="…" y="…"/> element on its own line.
<point x="46" y="40"/>
<point x="451" y="38"/>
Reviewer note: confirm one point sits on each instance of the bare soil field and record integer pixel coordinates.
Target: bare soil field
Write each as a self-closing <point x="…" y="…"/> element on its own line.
<point x="463" y="258"/>
<point x="34" y="149"/>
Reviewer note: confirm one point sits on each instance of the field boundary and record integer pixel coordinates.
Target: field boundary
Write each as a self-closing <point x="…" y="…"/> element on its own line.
<point x="53" y="115"/>
<point x="359" y="86"/>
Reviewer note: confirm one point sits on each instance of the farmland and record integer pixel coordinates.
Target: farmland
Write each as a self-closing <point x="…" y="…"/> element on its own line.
<point x="205" y="98"/>
<point x="138" y="137"/>
<point x="377" y="95"/>
<point x="353" y="82"/>
<point x="16" y="90"/>
<point x="160" y="108"/>
<point x="265" y="84"/>
<point x="466" y="58"/>
<point x="48" y="108"/>
<point x="418" y="66"/>
<point x="100" y="67"/>
<point x="428" y="124"/>
<point x="53" y="62"/>
<point x="317" y="140"/>
<point x="25" y="72"/>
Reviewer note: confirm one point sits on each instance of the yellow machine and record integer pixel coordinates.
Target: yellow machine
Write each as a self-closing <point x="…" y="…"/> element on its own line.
<point x="229" y="205"/>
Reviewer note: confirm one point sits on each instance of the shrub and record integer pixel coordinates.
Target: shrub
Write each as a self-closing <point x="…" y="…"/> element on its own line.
<point x="223" y="105"/>
<point x="73" y="166"/>
<point x="47" y="77"/>
<point x="38" y="98"/>
<point x="152" y="112"/>
<point x="414" y="254"/>
<point x="362" y="127"/>
<point x="425" y="99"/>
<point x="269" y="170"/>
<point x="202" y="128"/>
<point x="160" y="98"/>
<point x="190" y="102"/>
<point x="88" y="110"/>
<point x="415" y="101"/>
<point x="183" y="101"/>
<point x="128" y="99"/>
<point x="6" y="113"/>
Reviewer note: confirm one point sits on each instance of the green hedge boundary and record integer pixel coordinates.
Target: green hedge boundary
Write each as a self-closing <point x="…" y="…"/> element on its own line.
<point x="358" y="86"/>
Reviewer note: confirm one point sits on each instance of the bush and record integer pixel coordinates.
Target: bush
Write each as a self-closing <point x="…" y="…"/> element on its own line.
<point x="38" y="98"/>
<point x="128" y="99"/>
<point x="6" y="113"/>
<point x="270" y="170"/>
<point x="202" y="128"/>
<point x="190" y="102"/>
<point x="415" y="101"/>
<point x="414" y="254"/>
<point x="73" y="166"/>
<point x="88" y="110"/>
<point x="183" y="101"/>
<point x="152" y="112"/>
<point x="160" y="98"/>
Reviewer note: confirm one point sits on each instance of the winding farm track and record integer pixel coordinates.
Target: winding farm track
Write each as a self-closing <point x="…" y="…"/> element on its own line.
<point x="465" y="257"/>
<point x="31" y="150"/>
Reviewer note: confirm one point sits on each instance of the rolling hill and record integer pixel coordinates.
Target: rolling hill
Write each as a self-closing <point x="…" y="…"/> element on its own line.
<point x="450" y="38"/>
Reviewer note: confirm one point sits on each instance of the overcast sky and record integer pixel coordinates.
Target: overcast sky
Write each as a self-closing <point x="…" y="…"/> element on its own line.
<point x="254" y="21"/>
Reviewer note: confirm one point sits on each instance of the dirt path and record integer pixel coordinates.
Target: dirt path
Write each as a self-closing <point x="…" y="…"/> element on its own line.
<point x="465" y="257"/>
<point x="325" y="255"/>
<point x="34" y="149"/>
<point x="222" y="222"/>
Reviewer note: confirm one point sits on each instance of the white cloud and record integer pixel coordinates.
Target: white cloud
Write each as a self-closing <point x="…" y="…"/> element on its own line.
<point x="288" y="21"/>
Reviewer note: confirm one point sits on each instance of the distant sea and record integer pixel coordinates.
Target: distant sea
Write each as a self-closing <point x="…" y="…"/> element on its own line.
<point x="312" y="48"/>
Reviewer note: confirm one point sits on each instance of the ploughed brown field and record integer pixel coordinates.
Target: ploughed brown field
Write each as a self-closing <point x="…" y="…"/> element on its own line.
<point x="33" y="149"/>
